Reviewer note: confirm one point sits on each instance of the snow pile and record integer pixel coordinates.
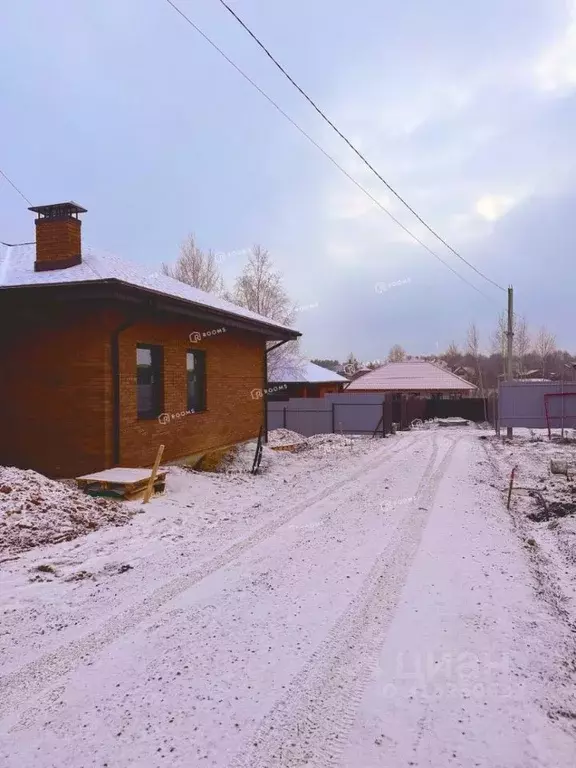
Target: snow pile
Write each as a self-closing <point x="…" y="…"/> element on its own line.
<point x="35" y="510"/>
<point x="322" y="445"/>
<point x="284" y="437"/>
<point x="241" y="458"/>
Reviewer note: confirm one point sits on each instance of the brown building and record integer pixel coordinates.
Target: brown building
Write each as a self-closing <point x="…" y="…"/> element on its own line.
<point x="304" y="379"/>
<point x="101" y="363"/>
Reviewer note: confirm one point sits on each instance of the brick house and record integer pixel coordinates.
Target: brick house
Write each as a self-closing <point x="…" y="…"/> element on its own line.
<point x="101" y="363"/>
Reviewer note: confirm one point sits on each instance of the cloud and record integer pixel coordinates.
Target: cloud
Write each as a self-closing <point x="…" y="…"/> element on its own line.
<point x="492" y="207"/>
<point x="556" y="68"/>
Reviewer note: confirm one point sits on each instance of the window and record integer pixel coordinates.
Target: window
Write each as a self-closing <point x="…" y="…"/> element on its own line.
<point x="196" y="381"/>
<point x="149" y="386"/>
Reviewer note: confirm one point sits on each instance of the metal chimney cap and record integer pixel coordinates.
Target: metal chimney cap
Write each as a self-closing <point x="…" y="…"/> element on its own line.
<point x="58" y="210"/>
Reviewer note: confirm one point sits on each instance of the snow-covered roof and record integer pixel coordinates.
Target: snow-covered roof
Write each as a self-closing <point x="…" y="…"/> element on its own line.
<point x="17" y="270"/>
<point x="306" y="372"/>
<point x="411" y="375"/>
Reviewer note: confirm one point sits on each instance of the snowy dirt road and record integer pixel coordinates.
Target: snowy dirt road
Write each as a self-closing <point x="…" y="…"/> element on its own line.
<point x="382" y="612"/>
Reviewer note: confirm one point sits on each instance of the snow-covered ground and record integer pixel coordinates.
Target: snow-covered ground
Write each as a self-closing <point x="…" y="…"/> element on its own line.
<point x="361" y="603"/>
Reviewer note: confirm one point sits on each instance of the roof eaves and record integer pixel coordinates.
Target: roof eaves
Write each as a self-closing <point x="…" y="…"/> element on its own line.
<point x="273" y="330"/>
<point x="451" y="373"/>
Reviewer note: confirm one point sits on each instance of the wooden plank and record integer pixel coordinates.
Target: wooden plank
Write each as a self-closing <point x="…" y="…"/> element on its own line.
<point x="150" y="488"/>
<point x="118" y="488"/>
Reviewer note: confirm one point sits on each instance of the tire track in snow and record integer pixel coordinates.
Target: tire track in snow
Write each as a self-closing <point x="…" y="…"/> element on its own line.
<point x="308" y="726"/>
<point x="34" y="677"/>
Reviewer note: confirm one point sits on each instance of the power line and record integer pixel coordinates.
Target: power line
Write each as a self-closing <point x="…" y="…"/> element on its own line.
<point x="326" y="154"/>
<point x="352" y="147"/>
<point x="22" y="195"/>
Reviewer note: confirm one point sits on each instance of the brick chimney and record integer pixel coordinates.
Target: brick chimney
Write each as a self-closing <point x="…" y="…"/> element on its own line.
<point x="58" y="238"/>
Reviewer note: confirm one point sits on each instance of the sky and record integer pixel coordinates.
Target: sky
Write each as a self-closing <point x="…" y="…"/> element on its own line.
<point x="467" y="109"/>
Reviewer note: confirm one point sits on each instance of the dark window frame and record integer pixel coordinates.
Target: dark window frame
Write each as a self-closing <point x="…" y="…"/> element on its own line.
<point x="157" y="375"/>
<point x="199" y="356"/>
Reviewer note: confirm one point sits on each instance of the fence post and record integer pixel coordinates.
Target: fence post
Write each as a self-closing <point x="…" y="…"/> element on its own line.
<point x="333" y="417"/>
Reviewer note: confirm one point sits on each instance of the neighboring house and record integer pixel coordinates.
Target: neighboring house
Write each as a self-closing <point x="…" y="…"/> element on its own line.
<point x="305" y="380"/>
<point x="535" y="373"/>
<point x="359" y="372"/>
<point x="465" y="371"/>
<point x="101" y="364"/>
<point x="413" y="377"/>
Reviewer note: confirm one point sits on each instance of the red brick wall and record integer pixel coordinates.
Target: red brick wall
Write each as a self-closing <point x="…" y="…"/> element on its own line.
<point x="56" y="391"/>
<point x="57" y="239"/>
<point x="52" y="409"/>
<point x="234" y="368"/>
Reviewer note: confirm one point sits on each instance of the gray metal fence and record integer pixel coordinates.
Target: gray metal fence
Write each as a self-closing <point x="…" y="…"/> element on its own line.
<point x="523" y="404"/>
<point x="357" y="413"/>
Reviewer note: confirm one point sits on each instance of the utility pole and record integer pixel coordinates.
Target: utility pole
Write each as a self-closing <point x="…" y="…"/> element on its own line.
<point x="510" y="337"/>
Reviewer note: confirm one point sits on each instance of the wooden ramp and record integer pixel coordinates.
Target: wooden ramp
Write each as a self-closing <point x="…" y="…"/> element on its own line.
<point x="121" y="482"/>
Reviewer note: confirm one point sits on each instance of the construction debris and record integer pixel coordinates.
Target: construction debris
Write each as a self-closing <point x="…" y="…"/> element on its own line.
<point x="121" y="482"/>
<point x="35" y="510"/>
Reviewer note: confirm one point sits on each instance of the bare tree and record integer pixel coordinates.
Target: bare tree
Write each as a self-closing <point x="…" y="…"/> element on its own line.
<point x="473" y="349"/>
<point x="544" y="346"/>
<point x="521" y="342"/>
<point x="499" y="336"/>
<point x="196" y="268"/>
<point x="259" y="288"/>
<point x="397" y="354"/>
<point x="452" y="354"/>
<point x="473" y="341"/>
